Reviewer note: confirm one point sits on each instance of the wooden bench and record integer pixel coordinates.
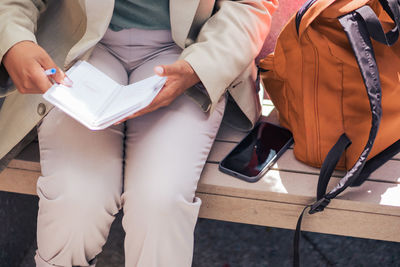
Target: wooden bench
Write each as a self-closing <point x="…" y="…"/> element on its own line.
<point x="370" y="211"/>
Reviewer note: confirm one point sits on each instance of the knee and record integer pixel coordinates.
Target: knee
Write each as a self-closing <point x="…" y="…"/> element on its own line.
<point x="164" y="201"/>
<point x="77" y="196"/>
<point x="74" y="219"/>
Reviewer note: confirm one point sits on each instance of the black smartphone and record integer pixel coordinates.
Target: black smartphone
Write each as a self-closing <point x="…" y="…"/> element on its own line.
<point x="257" y="152"/>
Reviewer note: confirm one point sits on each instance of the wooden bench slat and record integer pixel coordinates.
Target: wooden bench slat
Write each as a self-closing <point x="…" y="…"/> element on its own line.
<point x="24" y="165"/>
<point x="275" y="185"/>
<point x="389" y="172"/>
<point x="284" y="215"/>
<point x="19" y="181"/>
<point x="29" y="160"/>
<point x="299" y="188"/>
<point x="297" y="171"/>
<point x="265" y="208"/>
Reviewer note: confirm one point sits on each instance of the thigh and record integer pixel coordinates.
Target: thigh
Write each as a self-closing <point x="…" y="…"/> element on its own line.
<point x="165" y="154"/>
<point x="67" y="147"/>
<point x="168" y="147"/>
<point x="81" y="183"/>
<point x="166" y="150"/>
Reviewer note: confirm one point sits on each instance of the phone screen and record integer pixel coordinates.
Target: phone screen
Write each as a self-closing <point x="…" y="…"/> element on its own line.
<point x="251" y="158"/>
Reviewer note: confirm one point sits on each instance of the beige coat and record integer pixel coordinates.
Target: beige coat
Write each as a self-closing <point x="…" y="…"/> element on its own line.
<point x="220" y="39"/>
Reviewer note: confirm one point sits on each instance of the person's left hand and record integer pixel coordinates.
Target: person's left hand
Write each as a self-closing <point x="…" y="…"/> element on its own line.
<point x="180" y="76"/>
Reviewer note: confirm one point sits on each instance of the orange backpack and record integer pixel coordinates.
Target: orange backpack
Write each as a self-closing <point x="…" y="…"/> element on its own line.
<point x="334" y="77"/>
<point x="319" y="72"/>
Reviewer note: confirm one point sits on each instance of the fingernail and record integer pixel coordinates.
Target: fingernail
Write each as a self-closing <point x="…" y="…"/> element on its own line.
<point x="67" y="81"/>
<point x="159" y="70"/>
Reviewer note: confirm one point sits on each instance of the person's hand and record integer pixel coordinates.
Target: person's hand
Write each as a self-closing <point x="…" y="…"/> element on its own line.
<point x="25" y="63"/>
<point x="180" y="76"/>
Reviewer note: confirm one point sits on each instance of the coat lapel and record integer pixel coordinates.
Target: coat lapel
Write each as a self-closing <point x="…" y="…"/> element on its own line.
<point x="98" y="16"/>
<point x="182" y="13"/>
<point x="99" y="13"/>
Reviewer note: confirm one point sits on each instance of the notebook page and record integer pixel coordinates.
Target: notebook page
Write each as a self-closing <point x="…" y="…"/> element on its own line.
<point x="133" y="97"/>
<point x="90" y="91"/>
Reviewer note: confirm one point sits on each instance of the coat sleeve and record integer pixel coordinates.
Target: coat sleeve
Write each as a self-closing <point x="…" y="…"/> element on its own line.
<point x="229" y="42"/>
<point x="21" y="20"/>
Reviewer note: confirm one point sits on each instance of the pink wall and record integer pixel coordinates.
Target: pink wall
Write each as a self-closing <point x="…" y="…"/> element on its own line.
<point x="286" y="9"/>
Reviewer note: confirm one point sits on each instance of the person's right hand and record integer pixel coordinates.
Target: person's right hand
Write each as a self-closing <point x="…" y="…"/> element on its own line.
<point x="25" y="63"/>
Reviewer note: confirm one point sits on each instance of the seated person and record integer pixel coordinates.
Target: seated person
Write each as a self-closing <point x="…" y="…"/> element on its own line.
<point x="150" y="163"/>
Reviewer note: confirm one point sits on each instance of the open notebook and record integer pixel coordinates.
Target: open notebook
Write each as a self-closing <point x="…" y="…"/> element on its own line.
<point x="97" y="101"/>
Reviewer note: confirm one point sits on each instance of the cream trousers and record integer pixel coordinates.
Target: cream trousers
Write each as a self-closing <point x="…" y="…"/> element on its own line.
<point x="149" y="166"/>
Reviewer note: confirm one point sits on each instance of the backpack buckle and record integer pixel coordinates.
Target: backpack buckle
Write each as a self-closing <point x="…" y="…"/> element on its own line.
<point x="319" y="205"/>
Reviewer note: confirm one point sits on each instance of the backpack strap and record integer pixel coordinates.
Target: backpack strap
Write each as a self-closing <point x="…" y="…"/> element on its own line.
<point x="358" y="33"/>
<point x="357" y="26"/>
<point x="392" y="7"/>
<point x="308" y="12"/>
<point x="376" y="31"/>
<point x="328" y="166"/>
<point x="375" y="27"/>
<point x="303" y="9"/>
<point x="376" y="162"/>
<point x="356" y="30"/>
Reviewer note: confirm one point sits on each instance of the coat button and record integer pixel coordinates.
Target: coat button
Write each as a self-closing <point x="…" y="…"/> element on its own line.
<point x="41" y="109"/>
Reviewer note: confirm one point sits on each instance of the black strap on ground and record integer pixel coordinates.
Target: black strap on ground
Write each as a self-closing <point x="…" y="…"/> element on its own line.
<point x="296" y="242"/>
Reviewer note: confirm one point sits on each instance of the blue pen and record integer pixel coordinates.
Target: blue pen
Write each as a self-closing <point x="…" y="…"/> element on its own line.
<point x="67" y="81"/>
<point x="50" y="71"/>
